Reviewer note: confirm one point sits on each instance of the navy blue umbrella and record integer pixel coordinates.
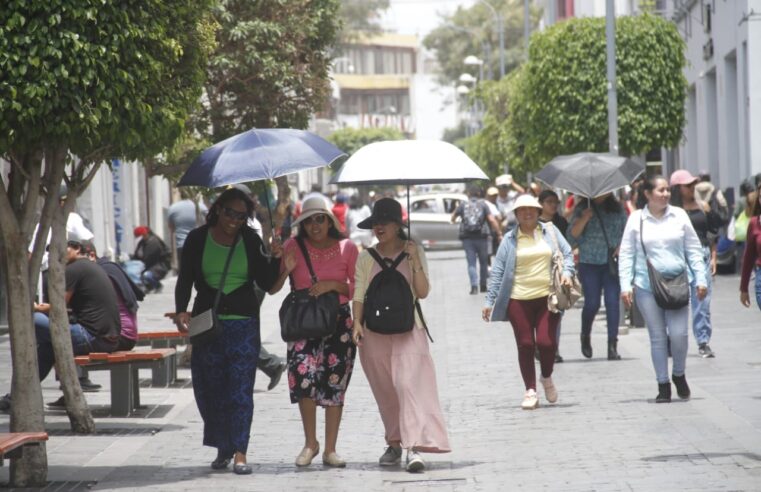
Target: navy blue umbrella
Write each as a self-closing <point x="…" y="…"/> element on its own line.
<point x="259" y="154"/>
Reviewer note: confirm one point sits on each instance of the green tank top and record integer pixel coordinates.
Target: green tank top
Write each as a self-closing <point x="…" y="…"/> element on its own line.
<point x="213" y="262"/>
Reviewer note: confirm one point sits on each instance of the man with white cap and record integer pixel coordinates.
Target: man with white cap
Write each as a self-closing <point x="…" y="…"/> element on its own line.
<point x="508" y="191"/>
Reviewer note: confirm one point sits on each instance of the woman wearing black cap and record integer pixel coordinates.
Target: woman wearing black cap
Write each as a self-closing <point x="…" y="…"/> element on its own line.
<point x="399" y="367"/>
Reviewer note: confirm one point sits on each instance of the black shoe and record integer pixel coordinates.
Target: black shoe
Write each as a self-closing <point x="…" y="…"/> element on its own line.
<point x="668" y="346"/>
<point x="88" y="386"/>
<point x="705" y="351"/>
<point x="59" y="403"/>
<point x="682" y="388"/>
<point x="221" y="462"/>
<point x="473" y="290"/>
<point x="586" y="346"/>
<point x="275" y="378"/>
<point x="242" y="469"/>
<point x="664" y="393"/>
<point x="5" y="403"/>
<point x="558" y="358"/>
<point x="613" y="350"/>
<point x="158" y="288"/>
<point x="482" y="288"/>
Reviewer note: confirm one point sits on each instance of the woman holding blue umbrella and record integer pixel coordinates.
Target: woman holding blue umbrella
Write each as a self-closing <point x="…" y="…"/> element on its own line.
<point x="226" y="253"/>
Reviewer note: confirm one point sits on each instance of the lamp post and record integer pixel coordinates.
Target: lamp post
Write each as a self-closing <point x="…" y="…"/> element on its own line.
<point x="471" y="60"/>
<point x="501" y="32"/>
<point x="610" y="34"/>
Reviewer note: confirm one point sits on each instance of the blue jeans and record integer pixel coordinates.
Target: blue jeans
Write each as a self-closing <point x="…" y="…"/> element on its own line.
<point x="701" y="310"/>
<point x="594" y="280"/>
<point x="758" y="286"/>
<point x="663" y="324"/>
<point x="150" y="281"/>
<point x="477" y="248"/>
<point x="82" y="341"/>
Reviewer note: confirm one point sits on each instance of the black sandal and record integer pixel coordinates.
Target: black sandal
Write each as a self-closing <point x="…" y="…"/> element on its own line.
<point x="220" y="462"/>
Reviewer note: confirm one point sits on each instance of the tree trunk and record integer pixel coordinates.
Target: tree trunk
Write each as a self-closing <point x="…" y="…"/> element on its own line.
<point x="26" y="411"/>
<point x="76" y="406"/>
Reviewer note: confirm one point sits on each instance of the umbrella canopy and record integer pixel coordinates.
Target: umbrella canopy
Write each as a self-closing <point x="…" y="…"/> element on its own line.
<point x="408" y="162"/>
<point x="259" y="154"/>
<point x="589" y="174"/>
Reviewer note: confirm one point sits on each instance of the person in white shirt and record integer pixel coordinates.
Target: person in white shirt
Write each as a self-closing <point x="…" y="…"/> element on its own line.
<point x="508" y="191"/>
<point x="672" y="246"/>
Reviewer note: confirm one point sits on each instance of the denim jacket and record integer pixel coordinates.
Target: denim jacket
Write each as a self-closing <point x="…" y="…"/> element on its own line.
<point x="503" y="268"/>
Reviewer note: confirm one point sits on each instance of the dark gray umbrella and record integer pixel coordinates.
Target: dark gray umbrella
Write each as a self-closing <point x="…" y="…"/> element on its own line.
<point x="590" y="174"/>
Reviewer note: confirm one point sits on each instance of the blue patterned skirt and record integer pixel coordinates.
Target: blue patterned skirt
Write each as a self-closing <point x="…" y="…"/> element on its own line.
<point x="223" y="383"/>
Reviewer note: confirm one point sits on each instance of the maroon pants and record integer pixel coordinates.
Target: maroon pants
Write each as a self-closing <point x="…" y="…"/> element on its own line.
<point x="526" y="318"/>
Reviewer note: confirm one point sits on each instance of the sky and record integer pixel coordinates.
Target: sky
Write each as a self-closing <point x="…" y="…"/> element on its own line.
<point x="418" y="16"/>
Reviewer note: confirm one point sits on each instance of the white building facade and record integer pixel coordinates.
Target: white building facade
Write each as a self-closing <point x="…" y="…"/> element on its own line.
<point x="723" y="131"/>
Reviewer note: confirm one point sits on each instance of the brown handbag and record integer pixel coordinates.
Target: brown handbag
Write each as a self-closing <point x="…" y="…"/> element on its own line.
<point x="561" y="297"/>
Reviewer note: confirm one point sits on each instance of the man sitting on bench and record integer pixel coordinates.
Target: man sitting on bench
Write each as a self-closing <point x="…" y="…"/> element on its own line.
<point x="94" y="312"/>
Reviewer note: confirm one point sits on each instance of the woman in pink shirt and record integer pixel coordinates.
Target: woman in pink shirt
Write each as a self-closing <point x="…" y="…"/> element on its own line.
<point x="319" y="369"/>
<point x="752" y="256"/>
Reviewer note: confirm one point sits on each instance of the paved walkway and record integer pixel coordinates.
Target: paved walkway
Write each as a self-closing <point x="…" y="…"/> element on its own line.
<point x="605" y="433"/>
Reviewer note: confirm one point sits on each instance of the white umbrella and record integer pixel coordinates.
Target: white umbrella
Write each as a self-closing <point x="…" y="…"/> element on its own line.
<point x="408" y="162"/>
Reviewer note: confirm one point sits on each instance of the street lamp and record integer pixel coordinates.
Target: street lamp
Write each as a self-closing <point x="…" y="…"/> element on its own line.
<point x="467" y="78"/>
<point x="473" y="61"/>
<point x="501" y="29"/>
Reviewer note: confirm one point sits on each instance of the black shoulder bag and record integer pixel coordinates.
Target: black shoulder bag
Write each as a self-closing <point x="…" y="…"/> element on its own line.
<point x="303" y="315"/>
<point x="612" y="256"/>
<point x="669" y="293"/>
<point x="205" y="327"/>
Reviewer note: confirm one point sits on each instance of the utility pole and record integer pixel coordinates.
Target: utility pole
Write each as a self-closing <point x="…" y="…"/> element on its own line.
<point x="501" y="32"/>
<point x="610" y="34"/>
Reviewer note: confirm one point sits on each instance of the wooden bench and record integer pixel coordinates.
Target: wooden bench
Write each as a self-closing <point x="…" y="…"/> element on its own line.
<point x="163" y="339"/>
<point x="124" y="367"/>
<point x="13" y="443"/>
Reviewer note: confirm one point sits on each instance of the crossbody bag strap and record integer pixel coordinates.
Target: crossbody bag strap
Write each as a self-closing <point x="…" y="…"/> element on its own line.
<point x="641" y="220"/>
<point x="224" y="273"/>
<point x="305" y="253"/>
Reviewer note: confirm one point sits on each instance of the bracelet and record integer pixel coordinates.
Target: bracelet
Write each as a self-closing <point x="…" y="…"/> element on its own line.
<point x="416" y="270"/>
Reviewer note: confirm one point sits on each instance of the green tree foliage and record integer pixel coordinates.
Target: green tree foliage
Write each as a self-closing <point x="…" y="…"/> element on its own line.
<point x="361" y="16"/>
<point x="473" y="31"/>
<point x="351" y="140"/>
<point x="270" y="68"/>
<point x="96" y="80"/>
<point x="557" y="103"/>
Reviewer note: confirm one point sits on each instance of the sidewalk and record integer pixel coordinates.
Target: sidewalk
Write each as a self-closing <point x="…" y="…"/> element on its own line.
<point x="605" y="433"/>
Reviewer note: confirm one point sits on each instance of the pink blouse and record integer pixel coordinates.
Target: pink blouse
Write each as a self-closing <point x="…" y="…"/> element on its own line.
<point x="335" y="263"/>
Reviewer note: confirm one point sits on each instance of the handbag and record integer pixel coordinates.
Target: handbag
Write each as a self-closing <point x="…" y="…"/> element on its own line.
<point x="561" y="296"/>
<point x="612" y="256"/>
<point x="669" y="292"/>
<point x="204" y="327"/>
<point x="306" y="316"/>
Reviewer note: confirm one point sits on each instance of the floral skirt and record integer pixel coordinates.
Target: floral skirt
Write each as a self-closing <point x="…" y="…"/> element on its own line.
<point x="320" y="368"/>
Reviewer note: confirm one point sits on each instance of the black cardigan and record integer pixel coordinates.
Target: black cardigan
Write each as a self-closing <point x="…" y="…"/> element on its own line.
<point x="242" y="301"/>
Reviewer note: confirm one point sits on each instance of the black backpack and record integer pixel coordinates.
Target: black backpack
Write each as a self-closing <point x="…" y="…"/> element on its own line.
<point x="388" y="306"/>
<point x="473" y="217"/>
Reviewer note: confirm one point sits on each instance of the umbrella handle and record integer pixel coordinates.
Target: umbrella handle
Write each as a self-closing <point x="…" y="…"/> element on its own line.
<point x="409" y="212"/>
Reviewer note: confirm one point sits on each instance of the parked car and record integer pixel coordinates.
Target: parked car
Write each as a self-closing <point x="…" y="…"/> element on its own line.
<point x="430" y="216"/>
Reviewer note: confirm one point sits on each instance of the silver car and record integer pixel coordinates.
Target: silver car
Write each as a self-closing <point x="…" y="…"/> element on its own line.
<point x="430" y="216"/>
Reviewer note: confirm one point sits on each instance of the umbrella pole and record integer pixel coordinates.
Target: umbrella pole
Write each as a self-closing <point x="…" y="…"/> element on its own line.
<point x="409" y="217"/>
<point x="269" y="211"/>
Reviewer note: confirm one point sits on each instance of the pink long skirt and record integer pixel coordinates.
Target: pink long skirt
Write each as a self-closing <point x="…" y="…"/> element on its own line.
<point x="402" y="377"/>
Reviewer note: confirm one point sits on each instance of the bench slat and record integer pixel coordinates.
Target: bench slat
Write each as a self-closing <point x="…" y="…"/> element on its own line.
<point x="152" y="335"/>
<point x="11" y="440"/>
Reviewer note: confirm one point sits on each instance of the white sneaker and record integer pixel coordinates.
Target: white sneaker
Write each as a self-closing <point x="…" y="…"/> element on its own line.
<point x="530" y="401"/>
<point x="415" y="463"/>
<point x="550" y="392"/>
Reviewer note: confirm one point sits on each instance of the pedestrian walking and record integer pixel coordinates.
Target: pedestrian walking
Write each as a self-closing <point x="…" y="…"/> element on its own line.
<point x="595" y="228"/>
<point x="399" y="366"/>
<point x="224" y="369"/>
<point x="507" y="192"/>
<point x="662" y="235"/>
<point x="752" y="256"/>
<point x="518" y="290"/>
<point x="182" y="217"/>
<point x="549" y="201"/>
<point x="706" y="223"/>
<point x="319" y="369"/>
<point x="476" y="221"/>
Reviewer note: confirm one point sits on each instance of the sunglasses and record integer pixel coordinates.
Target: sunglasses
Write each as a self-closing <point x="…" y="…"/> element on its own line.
<point x="317" y="219"/>
<point x="233" y="214"/>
